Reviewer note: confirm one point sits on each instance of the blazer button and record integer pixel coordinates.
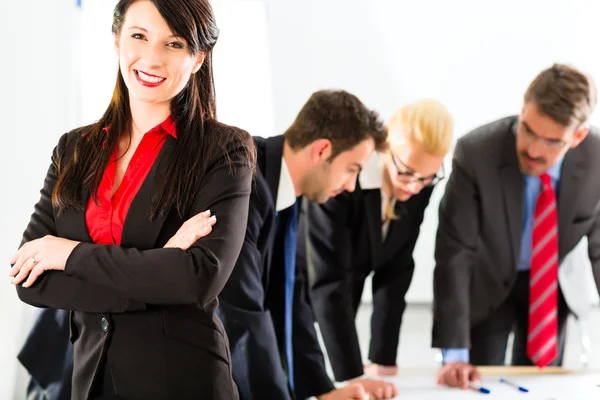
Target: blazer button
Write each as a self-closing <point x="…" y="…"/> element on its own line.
<point x="104" y="324"/>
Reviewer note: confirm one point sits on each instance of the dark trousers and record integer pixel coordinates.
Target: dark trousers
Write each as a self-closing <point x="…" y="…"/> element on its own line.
<point x="489" y="338"/>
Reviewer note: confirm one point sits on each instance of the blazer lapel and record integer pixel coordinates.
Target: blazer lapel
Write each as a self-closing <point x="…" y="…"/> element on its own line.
<point x="138" y="230"/>
<point x="272" y="164"/>
<point x="71" y="223"/>
<point x="568" y="192"/>
<point x="513" y="184"/>
<point x="372" y="201"/>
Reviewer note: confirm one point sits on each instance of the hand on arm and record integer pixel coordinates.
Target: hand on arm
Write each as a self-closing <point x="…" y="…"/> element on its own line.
<point x="192" y="230"/>
<point x="39" y="255"/>
<point x="458" y="374"/>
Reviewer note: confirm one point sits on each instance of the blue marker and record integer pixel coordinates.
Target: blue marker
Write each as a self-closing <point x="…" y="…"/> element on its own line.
<point x="509" y="383"/>
<point x="480" y="389"/>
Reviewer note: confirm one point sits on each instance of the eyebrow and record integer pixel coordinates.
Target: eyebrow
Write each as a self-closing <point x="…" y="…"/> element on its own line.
<point x="145" y="30"/>
<point x="529" y="128"/>
<point x="357" y="165"/>
<point x="408" y="167"/>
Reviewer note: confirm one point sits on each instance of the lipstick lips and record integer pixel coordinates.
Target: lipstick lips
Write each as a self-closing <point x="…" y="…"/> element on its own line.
<point x="147" y="79"/>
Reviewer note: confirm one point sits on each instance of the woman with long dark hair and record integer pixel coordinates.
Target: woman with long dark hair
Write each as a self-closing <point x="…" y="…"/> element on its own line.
<point x="122" y="234"/>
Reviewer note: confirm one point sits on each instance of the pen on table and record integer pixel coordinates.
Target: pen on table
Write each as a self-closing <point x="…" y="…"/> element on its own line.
<point x="509" y="383"/>
<point x="480" y="389"/>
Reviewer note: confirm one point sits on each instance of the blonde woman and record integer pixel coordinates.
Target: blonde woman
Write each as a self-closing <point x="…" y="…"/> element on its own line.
<point x="374" y="230"/>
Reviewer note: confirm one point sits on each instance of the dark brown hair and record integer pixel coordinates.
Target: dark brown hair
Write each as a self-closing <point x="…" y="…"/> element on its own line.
<point x="194" y="21"/>
<point x="338" y="116"/>
<point x="564" y="94"/>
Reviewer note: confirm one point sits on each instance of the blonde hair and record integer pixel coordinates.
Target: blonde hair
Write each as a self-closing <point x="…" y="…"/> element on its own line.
<point x="426" y="123"/>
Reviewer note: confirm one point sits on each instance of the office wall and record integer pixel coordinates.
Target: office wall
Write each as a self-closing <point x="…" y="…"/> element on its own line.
<point x="38" y="102"/>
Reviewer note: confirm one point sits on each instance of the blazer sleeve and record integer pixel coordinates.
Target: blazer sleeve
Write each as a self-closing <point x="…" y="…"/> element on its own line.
<point x="389" y="299"/>
<point x="594" y="247"/>
<point x="168" y="276"/>
<point x="257" y="367"/>
<point x="54" y="289"/>
<point x="328" y="244"/>
<point x="310" y="374"/>
<point x="455" y="249"/>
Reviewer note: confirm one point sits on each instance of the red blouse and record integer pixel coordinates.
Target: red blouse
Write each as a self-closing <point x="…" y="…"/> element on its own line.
<point x="105" y="220"/>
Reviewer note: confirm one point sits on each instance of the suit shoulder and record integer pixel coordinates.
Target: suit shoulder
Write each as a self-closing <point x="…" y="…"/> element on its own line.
<point x="230" y="137"/>
<point x="230" y="143"/>
<point x="488" y="135"/>
<point x="68" y="140"/>
<point x="590" y="146"/>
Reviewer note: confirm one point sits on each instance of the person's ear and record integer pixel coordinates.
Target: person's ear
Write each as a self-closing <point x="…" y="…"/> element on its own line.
<point x="579" y="135"/>
<point x="199" y="61"/>
<point x="321" y="150"/>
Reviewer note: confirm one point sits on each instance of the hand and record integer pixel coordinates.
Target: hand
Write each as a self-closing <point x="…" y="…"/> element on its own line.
<point x="373" y="369"/>
<point x="458" y="374"/>
<point x="354" y="391"/>
<point x="37" y="256"/>
<point x="379" y="389"/>
<point x="197" y="227"/>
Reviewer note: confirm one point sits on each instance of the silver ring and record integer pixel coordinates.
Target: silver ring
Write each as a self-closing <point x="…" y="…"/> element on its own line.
<point x="34" y="260"/>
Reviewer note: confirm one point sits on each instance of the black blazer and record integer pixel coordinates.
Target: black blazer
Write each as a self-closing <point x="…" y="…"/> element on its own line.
<point x="344" y="242"/>
<point x="47" y="355"/>
<point x="145" y="313"/>
<point x="252" y="302"/>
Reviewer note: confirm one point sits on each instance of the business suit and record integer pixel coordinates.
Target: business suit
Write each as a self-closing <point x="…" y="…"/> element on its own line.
<point x="143" y="317"/>
<point x="252" y="302"/>
<point x="479" y="240"/>
<point x="345" y="243"/>
<point x="47" y="355"/>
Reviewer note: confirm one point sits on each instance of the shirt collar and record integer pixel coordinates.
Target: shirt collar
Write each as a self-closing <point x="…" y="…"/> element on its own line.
<point x="371" y="177"/>
<point x="168" y="125"/>
<point x="554" y="171"/>
<point x="286" y="194"/>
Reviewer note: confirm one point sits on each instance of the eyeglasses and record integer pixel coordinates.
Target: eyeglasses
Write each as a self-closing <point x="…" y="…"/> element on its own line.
<point x="548" y="144"/>
<point x="405" y="176"/>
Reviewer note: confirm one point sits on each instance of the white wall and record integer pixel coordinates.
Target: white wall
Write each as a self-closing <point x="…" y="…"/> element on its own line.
<point x="476" y="57"/>
<point x="38" y="104"/>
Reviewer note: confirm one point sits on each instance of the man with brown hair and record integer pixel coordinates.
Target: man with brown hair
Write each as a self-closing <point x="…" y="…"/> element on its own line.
<point x="523" y="192"/>
<point x="264" y="306"/>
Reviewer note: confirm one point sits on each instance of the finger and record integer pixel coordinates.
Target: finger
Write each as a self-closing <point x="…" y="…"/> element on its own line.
<point x="23" y="272"/>
<point x="464" y="377"/>
<point x="452" y="377"/>
<point x="14" y="258"/>
<point x="395" y="390"/>
<point x="377" y="393"/>
<point x="200" y="216"/>
<point x="16" y="268"/>
<point x="389" y="392"/>
<point x="474" y="375"/>
<point x="358" y="392"/>
<point x="212" y="220"/>
<point x="33" y="275"/>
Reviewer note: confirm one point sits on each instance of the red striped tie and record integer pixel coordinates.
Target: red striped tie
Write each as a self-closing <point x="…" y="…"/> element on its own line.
<point x="543" y="279"/>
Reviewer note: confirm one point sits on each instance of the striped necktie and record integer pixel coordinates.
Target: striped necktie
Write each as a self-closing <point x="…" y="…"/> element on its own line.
<point x="543" y="280"/>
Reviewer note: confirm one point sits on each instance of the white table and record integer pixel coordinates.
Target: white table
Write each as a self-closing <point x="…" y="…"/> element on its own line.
<point x="547" y="384"/>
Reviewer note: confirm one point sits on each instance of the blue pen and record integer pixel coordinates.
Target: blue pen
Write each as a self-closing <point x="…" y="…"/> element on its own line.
<point x="480" y="389"/>
<point x="509" y="383"/>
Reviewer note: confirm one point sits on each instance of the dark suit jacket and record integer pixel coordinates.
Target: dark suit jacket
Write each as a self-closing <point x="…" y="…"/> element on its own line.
<point x="481" y="222"/>
<point x="145" y="312"/>
<point x="252" y="302"/>
<point x="344" y="244"/>
<point x="48" y="356"/>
